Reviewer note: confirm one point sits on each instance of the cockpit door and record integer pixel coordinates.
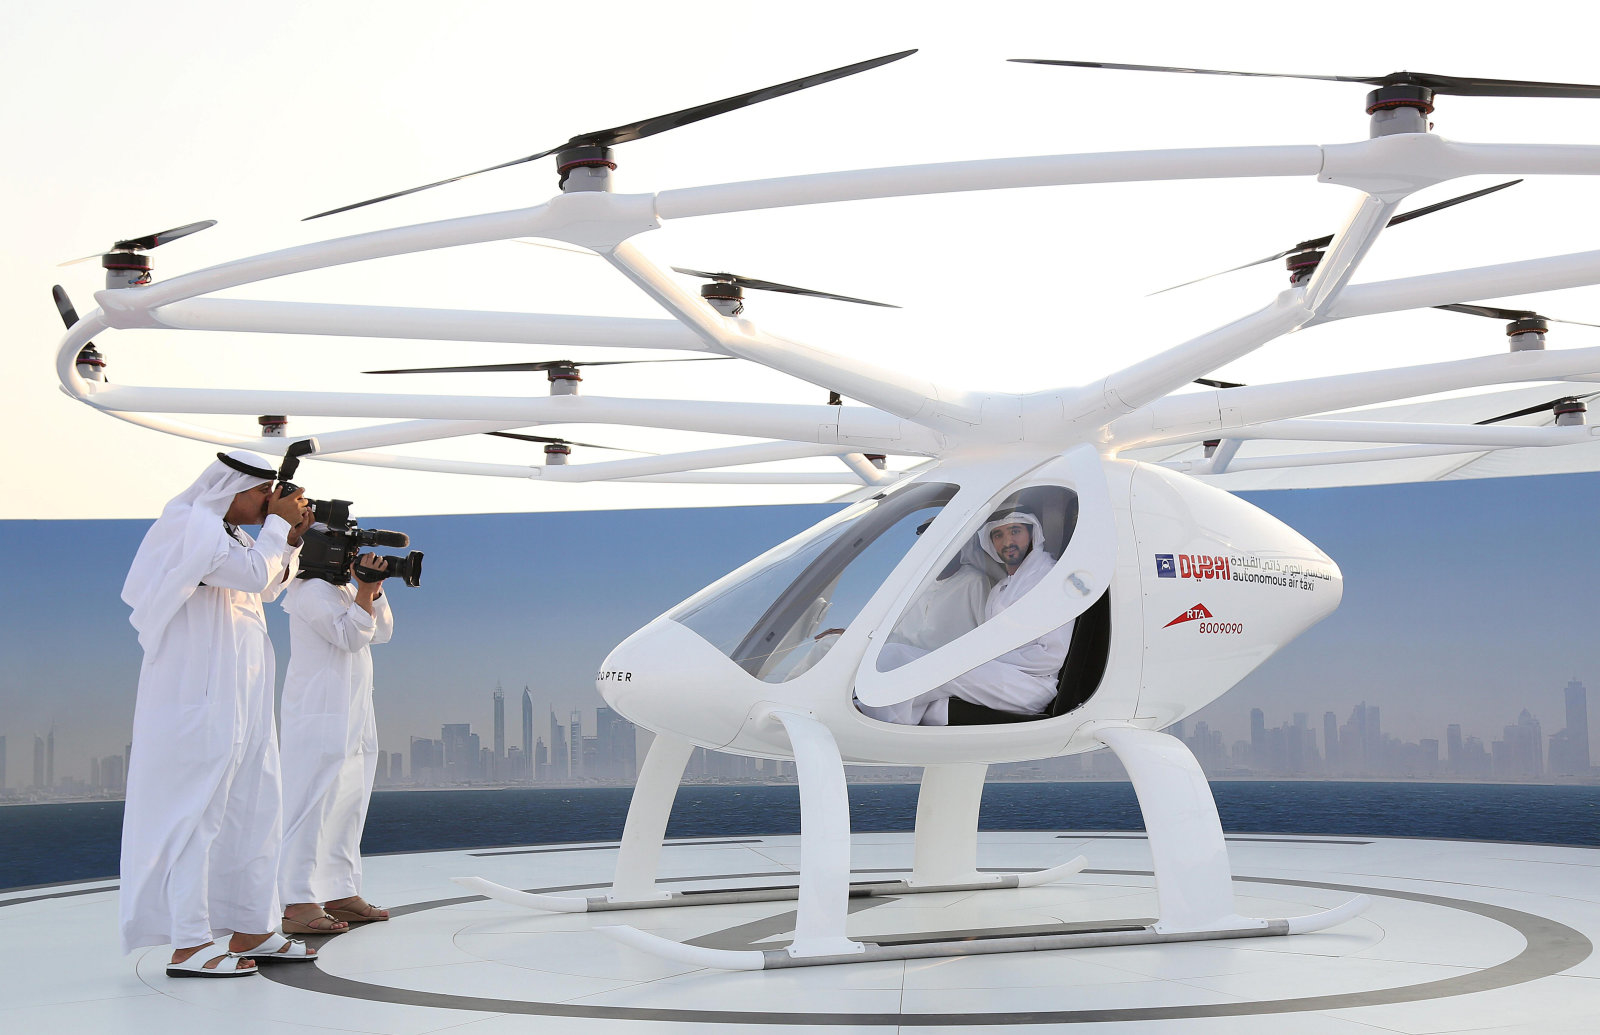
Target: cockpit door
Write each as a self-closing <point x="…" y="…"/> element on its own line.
<point x="1081" y="574"/>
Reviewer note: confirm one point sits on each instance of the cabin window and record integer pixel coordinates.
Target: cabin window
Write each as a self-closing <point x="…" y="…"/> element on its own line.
<point x="776" y="616"/>
<point x="952" y="601"/>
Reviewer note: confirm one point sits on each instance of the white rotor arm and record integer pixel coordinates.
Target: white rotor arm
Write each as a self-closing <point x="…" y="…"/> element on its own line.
<point x="1550" y="273"/>
<point x="688" y="467"/>
<point x="1212" y="414"/>
<point x="1287" y="461"/>
<point x="369" y="321"/>
<point x="858" y="427"/>
<point x="1483" y="436"/>
<point x="904" y="396"/>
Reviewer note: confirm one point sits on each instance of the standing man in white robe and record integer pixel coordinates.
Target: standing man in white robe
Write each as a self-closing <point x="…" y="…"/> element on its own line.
<point x="330" y="747"/>
<point x="1022" y="680"/>
<point x="201" y="827"/>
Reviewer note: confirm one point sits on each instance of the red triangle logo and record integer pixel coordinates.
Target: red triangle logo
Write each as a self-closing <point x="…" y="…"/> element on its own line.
<point x="1194" y="614"/>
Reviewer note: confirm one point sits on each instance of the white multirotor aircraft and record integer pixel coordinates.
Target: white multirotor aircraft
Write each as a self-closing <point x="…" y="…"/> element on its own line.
<point x="1177" y="589"/>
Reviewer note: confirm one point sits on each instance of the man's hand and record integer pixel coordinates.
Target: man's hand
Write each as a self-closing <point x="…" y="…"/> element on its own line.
<point x="367" y="592"/>
<point x="292" y="508"/>
<point x="307" y="519"/>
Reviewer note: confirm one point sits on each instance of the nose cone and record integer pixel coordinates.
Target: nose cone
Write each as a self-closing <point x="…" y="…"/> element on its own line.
<point x="669" y="680"/>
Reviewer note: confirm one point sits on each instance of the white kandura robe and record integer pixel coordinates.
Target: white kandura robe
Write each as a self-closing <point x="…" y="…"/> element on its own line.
<point x="330" y="738"/>
<point x="200" y="828"/>
<point x="1022" y="680"/>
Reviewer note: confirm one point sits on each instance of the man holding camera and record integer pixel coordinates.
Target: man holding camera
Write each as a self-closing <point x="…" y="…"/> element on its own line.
<point x="330" y="743"/>
<point x="201" y="825"/>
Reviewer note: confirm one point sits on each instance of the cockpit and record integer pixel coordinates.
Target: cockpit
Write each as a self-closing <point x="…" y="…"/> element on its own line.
<point x="779" y="616"/>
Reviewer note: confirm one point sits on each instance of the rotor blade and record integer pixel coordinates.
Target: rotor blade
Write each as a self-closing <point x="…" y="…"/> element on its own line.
<point x="662" y="123"/>
<point x="165" y="236"/>
<point x="1487" y="310"/>
<point x="74" y="262"/>
<point x="1525" y="411"/>
<point x="1445" y="84"/>
<point x="1323" y="242"/>
<point x="757" y="284"/>
<point x="69" y="315"/>
<point x="547" y="364"/>
<point x="652" y="126"/>
<point x="1210" y="383"/>
<point x="1437" y="205"/>
<point x="429" y="186"/>
<point x="563" y="442"/>
<point x="1193" y="71"/>
<point x="1494" y="313"/>
<point x="1255" y="262"/>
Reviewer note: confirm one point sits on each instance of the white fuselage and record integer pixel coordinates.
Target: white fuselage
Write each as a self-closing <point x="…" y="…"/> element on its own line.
<point x="1203" y="588"/>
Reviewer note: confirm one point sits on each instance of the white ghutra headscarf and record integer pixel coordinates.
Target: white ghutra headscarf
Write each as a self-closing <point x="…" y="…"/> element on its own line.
<point x="187" y="541"/>
<point x="1015" y="517"/>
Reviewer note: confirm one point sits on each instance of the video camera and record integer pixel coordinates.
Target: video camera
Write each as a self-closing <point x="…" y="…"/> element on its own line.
<point x="327" y="553"/>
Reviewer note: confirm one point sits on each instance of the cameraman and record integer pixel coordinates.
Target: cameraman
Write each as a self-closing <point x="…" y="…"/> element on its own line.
<point x="329" y="745"/>
<point x="201" y="824"/>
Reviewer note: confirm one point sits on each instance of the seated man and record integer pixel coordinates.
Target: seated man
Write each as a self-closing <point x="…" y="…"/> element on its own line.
<point x="1022" y="680"/>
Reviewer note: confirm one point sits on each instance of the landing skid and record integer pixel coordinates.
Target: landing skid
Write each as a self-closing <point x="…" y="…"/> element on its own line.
<point x="913" y="949"/>
<point x="782" y="893"/>
<point x="1194" y="884"/>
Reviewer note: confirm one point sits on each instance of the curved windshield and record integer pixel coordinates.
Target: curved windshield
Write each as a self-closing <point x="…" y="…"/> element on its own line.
<point x="783" y="612"/>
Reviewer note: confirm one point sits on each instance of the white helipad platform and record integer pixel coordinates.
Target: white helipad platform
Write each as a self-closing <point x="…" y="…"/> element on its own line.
<point x="1462" y="936"/>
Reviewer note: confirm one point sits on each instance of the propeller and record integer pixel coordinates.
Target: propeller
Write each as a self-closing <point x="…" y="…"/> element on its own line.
<point x="69" y="315"/>
<point x="563" y="442"/>
<point x="1316" y="243"/>
<point x="88" y="357"/>
<point x="1567" y="403"/>
<point x="1510" y="315"/>
<point x="148" y="241"/>
<point x="756" y="284"/>
<point x="1445" y="84"/>
<point x="658" y="124"/>
<point x="1210" y="383"/>
<point x="546" y="365"/>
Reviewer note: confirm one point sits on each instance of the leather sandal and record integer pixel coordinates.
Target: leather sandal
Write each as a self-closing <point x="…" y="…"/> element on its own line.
<point x="358" y="916"/>
<point x="333" y="925"/>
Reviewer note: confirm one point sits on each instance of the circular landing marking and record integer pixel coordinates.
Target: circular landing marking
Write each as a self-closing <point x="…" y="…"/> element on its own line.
<point x="1551" y="948"/>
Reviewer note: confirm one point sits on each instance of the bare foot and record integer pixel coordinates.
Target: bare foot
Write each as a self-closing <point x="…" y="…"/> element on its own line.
<point x="246" y="942"/>
<point x="360" y="906"/>
<point x="179" y="955"/>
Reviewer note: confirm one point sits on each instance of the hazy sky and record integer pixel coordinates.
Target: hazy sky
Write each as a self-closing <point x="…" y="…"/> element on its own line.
<point x="1464" y="602"/>
<point x="121" y="119"/>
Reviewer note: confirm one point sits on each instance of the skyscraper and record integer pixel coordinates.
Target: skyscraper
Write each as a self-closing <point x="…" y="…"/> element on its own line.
<point x="558" y="749"/>
<point x="1578" y="722"/>
<point x="50" y="758"/>
<point x="2" y="763"/>
<point x="527" y="736"/>
<point x="112" y="777"/>
<point x="461" y="762"/>
<point x="499" y="732"/>
<point x="1569" y="749"/>
<point x="1330" y="741"/>
<point x="575" y="745"/>
<point x="38" y="762"/>
<point x="1520" y="751"/>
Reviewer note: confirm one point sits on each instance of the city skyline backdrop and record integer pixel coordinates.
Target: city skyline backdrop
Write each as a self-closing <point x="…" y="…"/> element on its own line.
<point x="1464" y="604"/>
